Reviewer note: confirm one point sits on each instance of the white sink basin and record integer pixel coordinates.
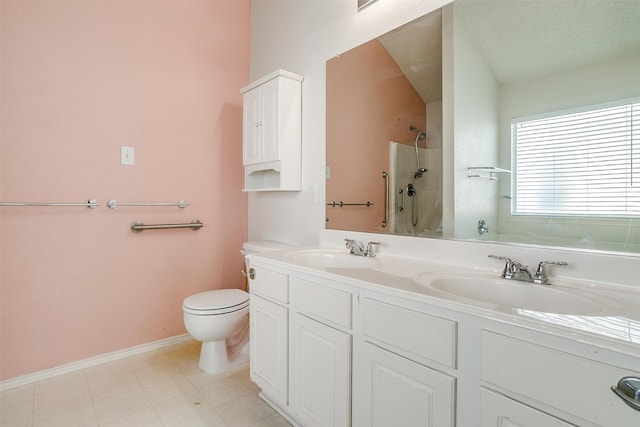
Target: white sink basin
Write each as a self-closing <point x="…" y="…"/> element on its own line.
<point x="330" y="258"/>
<point x="517" y="295"/>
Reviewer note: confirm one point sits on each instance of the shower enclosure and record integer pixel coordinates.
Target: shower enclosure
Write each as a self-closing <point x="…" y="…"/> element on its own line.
<point x="416" y="187"/>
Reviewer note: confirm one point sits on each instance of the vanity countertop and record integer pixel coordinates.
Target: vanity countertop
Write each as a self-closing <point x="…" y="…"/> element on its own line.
<point x="604" y="312"/>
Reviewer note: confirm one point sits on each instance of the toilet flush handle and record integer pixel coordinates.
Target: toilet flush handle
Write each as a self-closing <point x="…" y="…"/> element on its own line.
<point x="251" y="274"/>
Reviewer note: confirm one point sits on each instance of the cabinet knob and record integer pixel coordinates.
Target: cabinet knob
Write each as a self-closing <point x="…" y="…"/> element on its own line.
<point x="628" y="389"/>
<point x="251" y="274"/>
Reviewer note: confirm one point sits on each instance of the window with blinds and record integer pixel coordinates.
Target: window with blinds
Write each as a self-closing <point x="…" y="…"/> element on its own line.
<point x="578" y="164"/>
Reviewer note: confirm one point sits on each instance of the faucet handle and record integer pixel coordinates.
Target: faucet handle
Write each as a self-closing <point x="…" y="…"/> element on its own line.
<point x="354" y="246"/>
<point x="507" y="273"/>
<point x="370" y="251"/>
<point x="541" y="277"/>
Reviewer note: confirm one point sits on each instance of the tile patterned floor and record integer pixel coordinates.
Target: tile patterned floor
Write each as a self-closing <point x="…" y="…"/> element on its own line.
<point x="156" y="389"/>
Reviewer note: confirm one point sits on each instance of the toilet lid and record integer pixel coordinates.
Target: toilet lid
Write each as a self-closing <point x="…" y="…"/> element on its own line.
<point x="220" y="299"/>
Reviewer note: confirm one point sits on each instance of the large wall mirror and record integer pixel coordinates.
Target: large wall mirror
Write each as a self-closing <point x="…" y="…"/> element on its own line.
<point x="497" y="120"/>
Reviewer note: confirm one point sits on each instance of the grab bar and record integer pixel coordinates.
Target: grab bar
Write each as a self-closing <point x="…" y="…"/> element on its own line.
<point x="341" y="204"/>
<point x="386" y="198"/>
<point x="139" y="226"/>
<point x="91" y="204"/>
<point x="112" y="204"/>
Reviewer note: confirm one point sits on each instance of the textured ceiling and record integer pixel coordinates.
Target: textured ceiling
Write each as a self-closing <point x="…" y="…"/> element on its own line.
<point x="520" y="39"/>
<point x="523" y="39"/>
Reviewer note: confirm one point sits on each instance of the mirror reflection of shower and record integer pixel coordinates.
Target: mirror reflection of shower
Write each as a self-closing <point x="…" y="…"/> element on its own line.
<point x="419" y="137"/>
<point x="416" y="177"/>
<point x="411" y="192"/>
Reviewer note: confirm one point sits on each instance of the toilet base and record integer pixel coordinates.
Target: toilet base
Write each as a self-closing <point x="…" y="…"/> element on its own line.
<point x="216" y="357"/>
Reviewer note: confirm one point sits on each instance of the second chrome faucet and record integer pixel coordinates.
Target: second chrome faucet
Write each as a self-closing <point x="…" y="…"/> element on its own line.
<point x="357" y="248"/>
<point x="513" y="270"/>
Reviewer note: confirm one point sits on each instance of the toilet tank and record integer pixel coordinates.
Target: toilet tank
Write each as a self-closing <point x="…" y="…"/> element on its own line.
<point x="257" y="246"/>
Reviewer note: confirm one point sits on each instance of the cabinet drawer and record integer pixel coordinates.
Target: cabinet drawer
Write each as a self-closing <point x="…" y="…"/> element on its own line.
<point x="323" y="302"/>
<point x="421" y="334"/>
<point x="572" y="384"/>
<point x="500" y="411"/>
<point x="270" y="284"/>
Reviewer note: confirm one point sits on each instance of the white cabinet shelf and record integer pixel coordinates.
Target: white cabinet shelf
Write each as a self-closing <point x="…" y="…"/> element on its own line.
<point x="271" y="134"/>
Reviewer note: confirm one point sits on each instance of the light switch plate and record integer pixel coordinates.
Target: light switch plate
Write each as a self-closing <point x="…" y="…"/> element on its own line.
<point x="127" y="156"/>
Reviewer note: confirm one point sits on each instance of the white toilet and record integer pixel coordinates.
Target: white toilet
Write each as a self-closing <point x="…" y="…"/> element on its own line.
<point x="220" y="319"/>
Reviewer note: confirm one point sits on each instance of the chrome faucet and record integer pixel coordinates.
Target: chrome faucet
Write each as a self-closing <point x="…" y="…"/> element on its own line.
<point x="541" y="277"/>
<point x="513" y="270"/>
<point x="357" y="248"/>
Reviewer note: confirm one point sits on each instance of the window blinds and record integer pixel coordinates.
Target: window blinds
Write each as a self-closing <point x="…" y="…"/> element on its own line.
<point x="585" y="163"/>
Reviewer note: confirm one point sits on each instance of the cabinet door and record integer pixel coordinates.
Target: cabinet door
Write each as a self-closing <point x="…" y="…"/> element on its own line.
<point x="399" y="392"/>
<point x="269" y="348"/>
<point x="251" y="127"/>
<point x="270" y="121"/>
<point x="500" y="411"/>
<point x="321" y="379"/>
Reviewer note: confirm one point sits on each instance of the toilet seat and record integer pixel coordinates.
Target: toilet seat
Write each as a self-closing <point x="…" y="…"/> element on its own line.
<point x="220" y="301"/>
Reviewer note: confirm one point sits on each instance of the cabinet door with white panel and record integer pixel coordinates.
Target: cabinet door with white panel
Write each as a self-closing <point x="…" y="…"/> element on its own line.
<point x="321" y="345"/>
<point x="400" y="392"/>
<point x="269" y="331"/>
<point x="321" y="377"/>
<point x="251" y="126"/>
<point x="261" y="139"/>
<point x="405" y="351"/>
<point x="272" y="114"/>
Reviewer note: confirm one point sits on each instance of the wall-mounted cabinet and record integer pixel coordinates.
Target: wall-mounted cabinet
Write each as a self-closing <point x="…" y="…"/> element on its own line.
<point x="272" y="120"/>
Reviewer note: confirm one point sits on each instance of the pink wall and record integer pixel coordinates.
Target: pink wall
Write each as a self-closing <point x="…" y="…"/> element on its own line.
<point x="369" y="103"/>
<point x="80" y="79"/>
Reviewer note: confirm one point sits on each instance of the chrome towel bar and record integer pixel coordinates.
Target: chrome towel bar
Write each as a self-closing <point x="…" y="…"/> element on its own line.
<point x="112" y="204"/>
<point x="91" y="204"/>
<point x="139" y="226"/>
<point x="341" y="204"/>
<point x="385" y="221"/>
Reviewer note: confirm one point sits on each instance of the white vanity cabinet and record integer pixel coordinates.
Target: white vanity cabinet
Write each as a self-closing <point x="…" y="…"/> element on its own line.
<point x="321" y="346"/>
<point x="272" y="114"/>
<point x="404" y="353"/>
<point x="333" y="350"/>
<point x="269" y="332"/>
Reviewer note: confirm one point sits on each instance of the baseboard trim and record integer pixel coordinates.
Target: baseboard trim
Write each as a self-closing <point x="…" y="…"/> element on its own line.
<point x="92" y="361"/>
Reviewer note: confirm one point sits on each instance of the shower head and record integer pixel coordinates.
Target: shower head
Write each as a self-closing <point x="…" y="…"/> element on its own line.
<point x="421" y="135"/>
